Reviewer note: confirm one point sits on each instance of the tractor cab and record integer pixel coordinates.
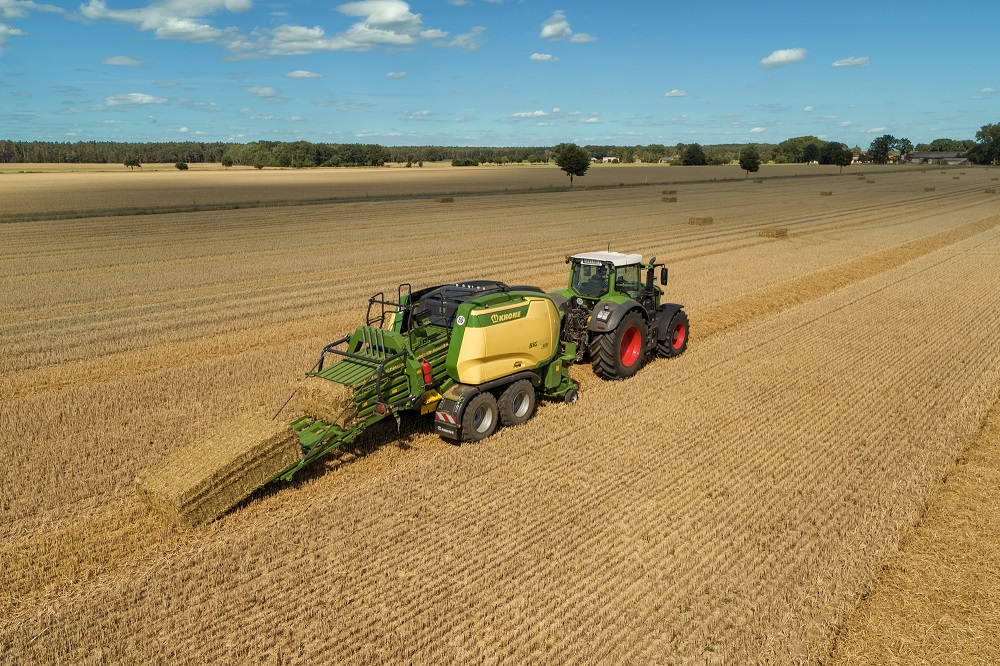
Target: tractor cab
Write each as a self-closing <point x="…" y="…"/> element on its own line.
<point x="615" y="276"/>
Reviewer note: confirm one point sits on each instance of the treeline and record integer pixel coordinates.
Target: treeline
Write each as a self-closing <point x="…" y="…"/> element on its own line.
<point x="803" y="149"/>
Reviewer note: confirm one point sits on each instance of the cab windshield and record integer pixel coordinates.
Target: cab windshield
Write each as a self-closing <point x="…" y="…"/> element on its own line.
<point x="589" y="279"/>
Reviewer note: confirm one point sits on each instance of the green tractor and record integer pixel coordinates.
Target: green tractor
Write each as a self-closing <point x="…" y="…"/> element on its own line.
<point x="615" y="315"/>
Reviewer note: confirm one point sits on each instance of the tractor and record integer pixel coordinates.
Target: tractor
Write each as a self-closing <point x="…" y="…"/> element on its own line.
<point x="614" y="314"/>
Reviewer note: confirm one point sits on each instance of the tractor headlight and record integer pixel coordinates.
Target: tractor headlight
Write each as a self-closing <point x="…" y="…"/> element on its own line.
<point x="603" y="315"/>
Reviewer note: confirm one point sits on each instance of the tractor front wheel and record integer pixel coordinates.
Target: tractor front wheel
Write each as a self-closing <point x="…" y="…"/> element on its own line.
<point x="480" y="418"/>
<point x="620" y="353"/>
<point x="676" y="340"/>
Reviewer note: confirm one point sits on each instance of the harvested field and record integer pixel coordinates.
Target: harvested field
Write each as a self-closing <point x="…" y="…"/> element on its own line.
<point x="731" y="506"/>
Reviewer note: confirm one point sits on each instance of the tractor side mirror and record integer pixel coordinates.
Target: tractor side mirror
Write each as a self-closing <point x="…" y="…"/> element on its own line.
<point x="663" y="275"/>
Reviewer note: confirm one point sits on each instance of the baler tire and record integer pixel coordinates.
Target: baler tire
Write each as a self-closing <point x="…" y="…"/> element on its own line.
<point x="619" y="354"/>
<point x="517" y="403"/>
<point x="480" y="418"/>
<point x="676" y="341"/>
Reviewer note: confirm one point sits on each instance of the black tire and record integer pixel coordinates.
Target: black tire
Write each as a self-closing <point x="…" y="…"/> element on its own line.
<point x="619" y="354"/>
<point x="517" y="403"/>
<point x="571" y="397"/>
<point x="676" y="340"/>
<point x="480" y="418"/>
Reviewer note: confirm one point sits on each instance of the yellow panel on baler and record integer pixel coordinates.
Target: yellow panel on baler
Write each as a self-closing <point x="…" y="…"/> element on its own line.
<point x="502" y="340"/>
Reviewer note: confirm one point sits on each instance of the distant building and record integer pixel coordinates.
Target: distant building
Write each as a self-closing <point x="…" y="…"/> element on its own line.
<point x="610" y="160"/>
<point x="945" y="157"/>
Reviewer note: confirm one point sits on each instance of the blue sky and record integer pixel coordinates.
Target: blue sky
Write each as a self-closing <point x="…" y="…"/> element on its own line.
<point x="497" y="72"/>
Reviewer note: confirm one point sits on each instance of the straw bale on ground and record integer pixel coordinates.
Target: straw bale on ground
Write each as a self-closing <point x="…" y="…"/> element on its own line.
<point x="700" y="221"/>
<point x="675" y="191"/>
<point x="445" y="199"/>
<point x="991" y="190"/>
<point x="773" y="232"/>
<point x="669" y="199"/>
<point x="826" y="193"/>
<point x="201" y="481"/>
<point x="929" y="189"/>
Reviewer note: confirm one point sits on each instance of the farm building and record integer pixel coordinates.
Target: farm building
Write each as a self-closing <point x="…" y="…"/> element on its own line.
<point x="946" y="157"/>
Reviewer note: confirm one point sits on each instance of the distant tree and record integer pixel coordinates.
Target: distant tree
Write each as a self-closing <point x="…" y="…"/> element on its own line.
<point x="258" y="165"/>
<point x="810" y="153"/>
<point x="464" y="162"/>
<point x="878" y="152"/>
<point x="693" y="155"/>
<point x="828" y="153"/>
<point x="227" y="161"/>
<point x="181" y="166"/>
<point x="843" y="157"/>
<point x="750" y="160"/>
<point x="989" y="143"/>
<point x="572" y="159"/>
<point x="132" y="162"/>
<point x="904" y="147"/>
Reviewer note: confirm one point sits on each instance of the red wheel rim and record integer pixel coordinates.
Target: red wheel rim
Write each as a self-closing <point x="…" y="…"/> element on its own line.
<point x="631" y="346"/>
<point x="679" y="335"/>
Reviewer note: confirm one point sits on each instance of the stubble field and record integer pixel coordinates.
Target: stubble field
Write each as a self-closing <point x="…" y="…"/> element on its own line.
<point x="736" y="505"/>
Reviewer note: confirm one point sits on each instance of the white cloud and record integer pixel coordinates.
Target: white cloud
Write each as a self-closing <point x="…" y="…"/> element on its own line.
<point x="676" y="93"/>
<point x="874" y="130"/>
<point x="783" y="57"/>
<point x="7" y="31"/>
<point x="807" y="109"/>
<point x="171" y="19"/>
<point x="133" y="99"/>
<point x="122" y="61"/>
<point x="556" y="28"/>
<point x="543" y="57"/>
<point x="16" y="9"/>
<point x="303" y="74"/>
<point x="266" y="93"/>
<point x="757" y="130"/>
<point x="590" y="120"/>
<point x="418" y="115"/>
<point x="396" y="75"/>
<point x="863" y="61"/>
<point x="469" y="41"/>
<point x="530" y="114"/>
<point x="987" y="91"/>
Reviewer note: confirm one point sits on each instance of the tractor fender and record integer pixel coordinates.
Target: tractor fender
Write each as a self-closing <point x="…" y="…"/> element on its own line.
<point x="560" y="302"/>
<point x="600" y="323"/>
<point x="664" y="314"/>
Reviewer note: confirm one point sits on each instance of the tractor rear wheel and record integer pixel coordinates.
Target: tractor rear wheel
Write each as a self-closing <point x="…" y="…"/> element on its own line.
<point x="480" y="418"/>
<point x="517" y="403"/>
<point x="620" y="353"/>
<point x="676" y="340"/>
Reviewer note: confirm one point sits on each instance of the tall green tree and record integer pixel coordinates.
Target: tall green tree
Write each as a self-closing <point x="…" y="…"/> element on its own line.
<point x="750" y="160"/>
<point x="843" y="157"/>
<point x="878" y="151"/>
<point x="131" y="162"/>
<point x="989" y="140"/>
<point x="693" y="155"/>
<point x="810" y="153"/>
<point x="904" y="147"/>
<point x="572" y="159"/>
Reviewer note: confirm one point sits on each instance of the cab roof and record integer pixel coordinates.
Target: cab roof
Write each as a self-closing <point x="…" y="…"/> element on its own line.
<point x="616" y="258"/>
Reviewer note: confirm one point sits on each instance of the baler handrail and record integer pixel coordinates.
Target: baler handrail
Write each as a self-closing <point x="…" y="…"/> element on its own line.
<point x="380" y="364"/>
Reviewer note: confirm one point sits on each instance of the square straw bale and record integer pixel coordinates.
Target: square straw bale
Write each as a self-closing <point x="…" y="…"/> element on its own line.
<point x="991" y="190"/>
<point x="675" y="191"/>
<point x="929" y="189"/>
<point x="205" y="479"/>
<point x="445" y="200"/>
<point x="773" y="232"/>
<point x="826" y="194"/>
<point x="700" y="221"/>
<point x="325" y="400"/>
<point x="669" y="199"/>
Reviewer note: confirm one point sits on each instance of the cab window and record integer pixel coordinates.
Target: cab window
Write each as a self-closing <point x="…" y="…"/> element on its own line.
<point x="628" y="281"/>
<point x="590" y="280"/>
